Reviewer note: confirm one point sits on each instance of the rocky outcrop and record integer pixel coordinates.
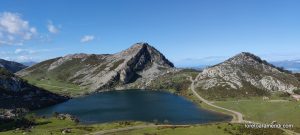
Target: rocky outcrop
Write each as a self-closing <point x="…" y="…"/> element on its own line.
<point x="17" y="93"/>
<point x="143" y="58"/>
<point x="247" y="70"/>
<point x="133" y="67"/>
<point x="11" y="66"/>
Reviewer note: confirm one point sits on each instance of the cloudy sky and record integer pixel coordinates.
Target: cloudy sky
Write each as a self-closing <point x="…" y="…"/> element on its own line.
<point x="204" y="31"/>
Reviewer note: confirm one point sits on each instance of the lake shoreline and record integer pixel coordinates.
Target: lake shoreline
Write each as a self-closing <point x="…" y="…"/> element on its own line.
<point x="166" y="93"/>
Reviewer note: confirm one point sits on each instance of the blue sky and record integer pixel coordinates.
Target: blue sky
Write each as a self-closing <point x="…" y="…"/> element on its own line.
<point x="186" y="31"/>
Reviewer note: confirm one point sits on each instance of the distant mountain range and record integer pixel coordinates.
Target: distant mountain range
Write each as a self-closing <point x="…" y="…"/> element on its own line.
<point x="199" y="63"/>
<point x="11" y="65"/>
<point x="292" y="65"/>
<point x="29" y="63"/>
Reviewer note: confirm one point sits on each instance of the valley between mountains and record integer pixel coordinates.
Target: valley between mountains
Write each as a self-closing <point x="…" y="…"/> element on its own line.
<point x="244" y="84"/>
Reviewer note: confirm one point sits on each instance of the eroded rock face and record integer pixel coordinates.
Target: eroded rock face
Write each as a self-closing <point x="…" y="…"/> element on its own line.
<point x="247" y="68"/>
<point x="133" y="67"/>
<point x="143" y="58"/>
<point x="16" y="93"/>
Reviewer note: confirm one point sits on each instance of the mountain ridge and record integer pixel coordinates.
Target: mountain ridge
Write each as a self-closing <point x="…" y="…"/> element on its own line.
<point x="11" y="65"/>
<point x="247" y="70"/>
<point x="140" y="64"/>
<point x="132" y="67"/>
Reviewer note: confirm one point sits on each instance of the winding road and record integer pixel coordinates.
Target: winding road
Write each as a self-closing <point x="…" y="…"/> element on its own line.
<point x="238" y="117"/>
<point x="133" y="128"/>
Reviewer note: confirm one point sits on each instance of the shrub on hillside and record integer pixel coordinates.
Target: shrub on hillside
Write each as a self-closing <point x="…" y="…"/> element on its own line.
<point x="297" y="91"/>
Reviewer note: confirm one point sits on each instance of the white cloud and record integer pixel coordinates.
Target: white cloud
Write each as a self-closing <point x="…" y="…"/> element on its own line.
<point x="31" y="51"/>
<point x="87" y="38"/>
<point x="22" y="51"/>
<point x="23" y="59"/>
<point x="14" y="30"/>
<point x="52" y="28"/>
<point x="26" y="54"/>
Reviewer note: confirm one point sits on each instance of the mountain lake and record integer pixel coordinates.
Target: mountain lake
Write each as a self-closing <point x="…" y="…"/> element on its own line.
<point x="136" y="105"/>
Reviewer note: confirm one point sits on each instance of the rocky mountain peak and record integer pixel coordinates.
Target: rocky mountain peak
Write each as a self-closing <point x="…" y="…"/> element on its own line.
<point x="142" y="57"/>
<point x="135" y="48"/>
<point x="141" y="45"/>
<point x="246" y="71"/>
<point x="247" y="55"/>
<point x="134" y="66"/>
<point x="146" y="53"/>
<point x="246" y="58"/>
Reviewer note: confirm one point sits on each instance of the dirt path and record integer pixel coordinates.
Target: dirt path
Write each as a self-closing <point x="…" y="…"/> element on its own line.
<point x="238" y="116"/>
<point x="278" y="100"/>
<point x="133" y="128"/>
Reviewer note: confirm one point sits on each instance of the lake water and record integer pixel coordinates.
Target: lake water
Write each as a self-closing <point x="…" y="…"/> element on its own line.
<point x="138" y="105"/>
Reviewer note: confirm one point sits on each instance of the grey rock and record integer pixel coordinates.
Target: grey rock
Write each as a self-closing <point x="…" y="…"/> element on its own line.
<point x="247" y="68"/>
<point x="133" y="67"/>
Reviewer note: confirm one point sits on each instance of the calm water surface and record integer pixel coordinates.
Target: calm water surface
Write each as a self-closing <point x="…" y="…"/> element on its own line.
<point x="135" y="105"/>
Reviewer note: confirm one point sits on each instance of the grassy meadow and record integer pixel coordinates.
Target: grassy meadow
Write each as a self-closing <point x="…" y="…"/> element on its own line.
<point x="55" y="126"/>
<point x="208" y="129"/>
<point x="266" y="111"/>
